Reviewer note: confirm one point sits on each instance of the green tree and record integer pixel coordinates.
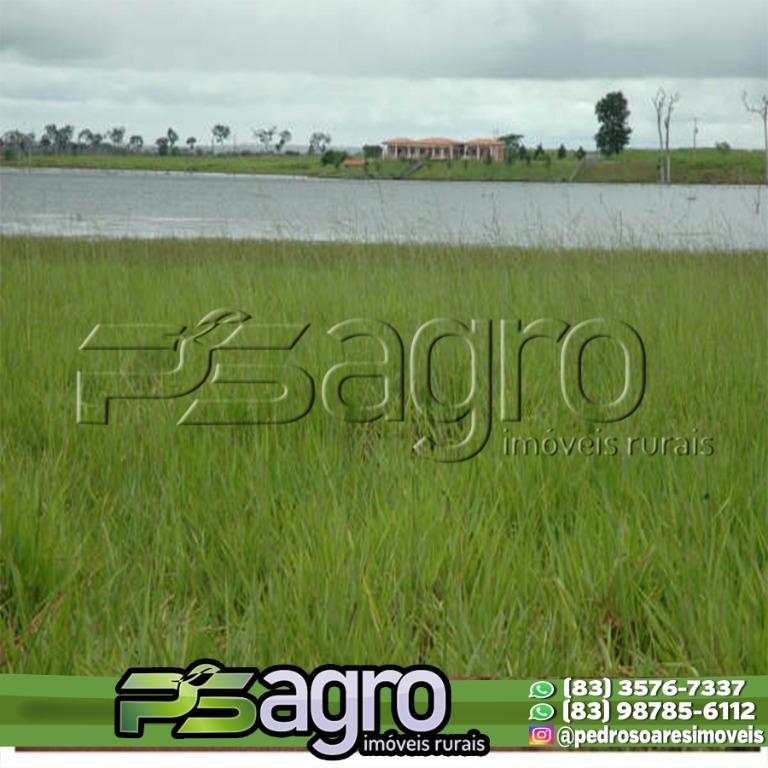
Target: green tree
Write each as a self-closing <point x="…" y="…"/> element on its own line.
<point x="372" y="151"/>
<point x="85" y="137"/>
<point x="265" y="137"/>
<point x="15" y="143"/>
<point x="562" y="152"/>
<point x="162" y="145"/>
<point x="318" y="143"/>
<point x="48" y="138"/>
<point x="612" y="114"/>
<point x="135" y="143"/>
<point x="282" y="139"/>
<point x="220" y="133"/>
<point x="57" y="138"/>
<point x="66" y="132"/>
<point x="333" y="157"/>
<point x="512" y="143"/>
<point x="116" y="135"/>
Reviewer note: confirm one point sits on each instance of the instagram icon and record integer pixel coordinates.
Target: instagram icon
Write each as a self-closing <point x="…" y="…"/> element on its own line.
<point x="541" y="735"/>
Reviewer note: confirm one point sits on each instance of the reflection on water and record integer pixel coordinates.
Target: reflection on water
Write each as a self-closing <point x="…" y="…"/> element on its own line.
<point x="145" y="204"/>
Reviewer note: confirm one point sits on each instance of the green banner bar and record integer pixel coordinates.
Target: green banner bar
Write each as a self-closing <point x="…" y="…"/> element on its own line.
<point x="56" y="711"/>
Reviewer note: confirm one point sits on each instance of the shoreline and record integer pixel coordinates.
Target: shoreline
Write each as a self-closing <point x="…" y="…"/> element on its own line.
<point x="303" y="242"/>
<point x="5" y="166"/>
<point x="368" y="178"/>
<point x="705" y="167"/>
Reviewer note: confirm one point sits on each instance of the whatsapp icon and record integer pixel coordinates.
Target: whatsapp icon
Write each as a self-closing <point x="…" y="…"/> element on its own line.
<point x="541" y="712"/>
<point x="541" y="689"/>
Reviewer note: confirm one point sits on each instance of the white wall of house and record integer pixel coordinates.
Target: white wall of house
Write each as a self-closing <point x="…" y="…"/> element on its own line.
<point x="417" y="150"/>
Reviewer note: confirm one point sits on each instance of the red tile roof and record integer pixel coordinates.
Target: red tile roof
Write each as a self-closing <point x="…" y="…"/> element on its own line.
<point x="439" y="141"/>
<point x="487" y="142"/>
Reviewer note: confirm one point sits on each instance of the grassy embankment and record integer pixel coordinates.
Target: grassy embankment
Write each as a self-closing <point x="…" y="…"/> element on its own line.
<point x="705" y="166"/>
<point x="142" y="542"/>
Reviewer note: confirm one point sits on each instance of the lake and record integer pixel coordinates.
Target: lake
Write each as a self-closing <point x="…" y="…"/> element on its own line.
<point x="92" y="203"/>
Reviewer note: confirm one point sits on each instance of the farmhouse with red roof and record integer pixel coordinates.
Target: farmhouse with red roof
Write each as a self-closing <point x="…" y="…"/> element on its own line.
<point x="440" y="148"/>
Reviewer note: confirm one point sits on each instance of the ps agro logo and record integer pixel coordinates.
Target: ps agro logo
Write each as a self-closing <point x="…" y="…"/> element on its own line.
<point x="338" y="708"/>
<point x="221" y="389"/>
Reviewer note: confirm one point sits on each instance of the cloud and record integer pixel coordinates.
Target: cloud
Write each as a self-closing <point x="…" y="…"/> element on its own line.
<point x="547" y="39"/>
<point x="357" y="110"/>
<point x="365" y="70"/>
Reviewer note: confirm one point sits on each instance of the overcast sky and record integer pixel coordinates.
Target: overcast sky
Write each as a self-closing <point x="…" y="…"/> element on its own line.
<point x="365" y="70"/>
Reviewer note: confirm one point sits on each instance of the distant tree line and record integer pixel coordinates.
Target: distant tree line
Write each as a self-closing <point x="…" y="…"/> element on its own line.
<point x="515" y="150"/>
<point x="612" y="112"/>
<point x="62" y="140"/>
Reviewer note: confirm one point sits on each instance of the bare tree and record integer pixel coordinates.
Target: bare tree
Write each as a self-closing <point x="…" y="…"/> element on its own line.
<point x="664" y="105"/>
<point x="219" y="134"/>
<point x="761" y="110"/>
<point x="673" y="99"/>
<point x="695" y="132"/>
<point x="658" y="104"/>
<point x="283" y="138"/>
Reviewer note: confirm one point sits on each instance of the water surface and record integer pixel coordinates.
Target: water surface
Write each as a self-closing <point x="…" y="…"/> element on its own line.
<point x="155" y="204"/>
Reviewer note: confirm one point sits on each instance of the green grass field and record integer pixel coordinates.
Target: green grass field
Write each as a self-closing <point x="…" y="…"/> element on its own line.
<point x="705" y="166"/>
<point x="321" y="541"/>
